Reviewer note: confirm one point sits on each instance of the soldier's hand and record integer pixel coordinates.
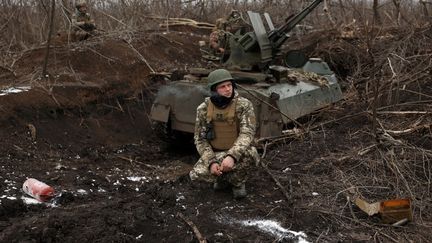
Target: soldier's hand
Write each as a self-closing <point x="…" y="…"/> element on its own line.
<point x="215" y="169"/>
<point x="227" y="164"/>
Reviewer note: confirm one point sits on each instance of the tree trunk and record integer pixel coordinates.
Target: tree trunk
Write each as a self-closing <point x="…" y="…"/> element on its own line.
<point x="51" y="27"/>
<point x="397" y="11"/>
<point x="376" y="15"/>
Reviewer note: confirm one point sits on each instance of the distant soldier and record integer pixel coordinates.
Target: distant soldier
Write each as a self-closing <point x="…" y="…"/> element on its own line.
<point x="217" y="37"/>
<point x="222" y="31"/>
<point x="224" y="130"/>
<point x="83" y="25"/>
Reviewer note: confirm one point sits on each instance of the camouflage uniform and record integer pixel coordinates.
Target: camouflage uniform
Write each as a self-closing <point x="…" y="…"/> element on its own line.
<point x="88" y="24"/>
<point x="242" y="151"/>
<point x="217" y="40"/>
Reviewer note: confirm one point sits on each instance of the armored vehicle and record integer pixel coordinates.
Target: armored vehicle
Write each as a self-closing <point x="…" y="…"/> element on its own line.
<point x="280" y="93"/>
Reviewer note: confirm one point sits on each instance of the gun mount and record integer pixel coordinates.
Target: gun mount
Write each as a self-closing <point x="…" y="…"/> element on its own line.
<point x="256" y="50"/>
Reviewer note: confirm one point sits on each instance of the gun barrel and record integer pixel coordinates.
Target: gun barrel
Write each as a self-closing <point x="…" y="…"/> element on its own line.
<point x="279" y="35"/>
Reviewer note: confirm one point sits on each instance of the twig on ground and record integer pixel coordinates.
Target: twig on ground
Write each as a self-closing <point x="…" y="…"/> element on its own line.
<point x="284" y="191"/>
<point x="367" y="149"/>
<point x="197" y="233"/>
<point x="408" y="130"/>
<point x="403" y="112"/>
<point x="120" y="106"/>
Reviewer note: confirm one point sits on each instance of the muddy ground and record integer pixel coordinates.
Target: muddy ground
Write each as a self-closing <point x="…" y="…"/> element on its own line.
<point x="85" y="131"/>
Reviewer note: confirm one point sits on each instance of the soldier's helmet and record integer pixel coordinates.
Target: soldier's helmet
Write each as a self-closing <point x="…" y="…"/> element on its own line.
<point x="234" y="15"/>
<point x="80" y="4"/>
<point x="218" y="76"/>
<point x="220" y="23"/>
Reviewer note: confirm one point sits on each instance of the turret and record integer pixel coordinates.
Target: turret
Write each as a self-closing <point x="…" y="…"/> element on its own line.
<point x="255" y="50"/>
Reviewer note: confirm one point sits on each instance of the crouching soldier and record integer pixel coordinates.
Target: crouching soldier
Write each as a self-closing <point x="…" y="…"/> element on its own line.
<point x="224" y="130"/>
<point x="83" y="25"/>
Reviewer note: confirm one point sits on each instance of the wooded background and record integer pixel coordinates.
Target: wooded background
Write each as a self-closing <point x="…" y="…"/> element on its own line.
<point x="26" y="22"/>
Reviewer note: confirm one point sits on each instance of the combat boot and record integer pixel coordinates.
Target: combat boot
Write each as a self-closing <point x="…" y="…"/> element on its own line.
<point x="239" y="192"/>
<point x="220" y="185"/>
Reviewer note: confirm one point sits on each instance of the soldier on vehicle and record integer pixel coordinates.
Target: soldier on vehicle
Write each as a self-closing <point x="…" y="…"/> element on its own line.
<point x="217" y="39"/>
<point x="224" y="129"/>
<point x="220" y="35"/>
<point x="83" y="25"/>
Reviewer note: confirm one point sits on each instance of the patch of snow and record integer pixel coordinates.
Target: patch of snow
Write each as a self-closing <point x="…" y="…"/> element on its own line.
<point x="81" y="191"/>
<point x="29" y="200"/>
<point x="269" y="226"/>
<point x="14" y="90"/>
<point x="275" y="229"/>
<point x="315" y="193"/>
<point x="136" y="178"/>
<point x="180" y="198"/>
<point x="286" y="170"/>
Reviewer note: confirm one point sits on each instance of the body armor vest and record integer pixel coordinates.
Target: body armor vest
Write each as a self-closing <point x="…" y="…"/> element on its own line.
<point x="225" y="125"/>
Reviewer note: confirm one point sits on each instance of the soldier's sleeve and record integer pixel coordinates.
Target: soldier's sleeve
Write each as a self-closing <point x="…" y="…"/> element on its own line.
<point x="77" y="20"/>
<point x="74" y="19"/>
<point x="214" y="40"/>
<point x="247" y="128"/>
<point x="89" y="20"/>
<point x="202" y="145"/>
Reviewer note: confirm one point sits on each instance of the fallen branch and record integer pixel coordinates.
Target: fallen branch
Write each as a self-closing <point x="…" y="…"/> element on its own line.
<point x="288" y="197"/>
<point x="408" y="130"/>
<point x="403" y="112"/>
<point x="182" y="22"/>
<point x="141" y="56"/>
<point x="197" y="233"/>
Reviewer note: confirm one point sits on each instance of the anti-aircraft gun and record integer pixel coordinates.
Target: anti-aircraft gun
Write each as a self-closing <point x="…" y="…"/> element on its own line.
<point x="258" y="49"/>
<point x="280" y="93"/>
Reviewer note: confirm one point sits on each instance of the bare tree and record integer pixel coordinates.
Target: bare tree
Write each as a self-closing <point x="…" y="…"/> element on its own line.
<point x="376" y="15"/>
<point x="51" y="27"/>
<point x="397" y="13"/>
<point x="343" y="11"/>
<point x="425" y="8"/>
<point x="328" y="13"/>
